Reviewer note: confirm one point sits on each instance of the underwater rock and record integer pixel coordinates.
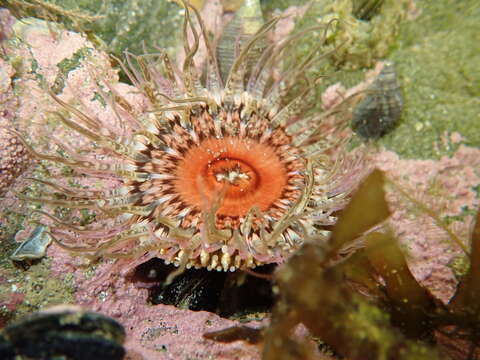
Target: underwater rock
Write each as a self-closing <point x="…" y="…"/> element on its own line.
<point x="359" y="43"/>
<point x="14" y="158"/>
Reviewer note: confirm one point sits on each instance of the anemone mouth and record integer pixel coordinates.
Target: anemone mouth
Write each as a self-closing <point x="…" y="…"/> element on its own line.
<point x="243" y="173"/>
<point x="240" y="173"/>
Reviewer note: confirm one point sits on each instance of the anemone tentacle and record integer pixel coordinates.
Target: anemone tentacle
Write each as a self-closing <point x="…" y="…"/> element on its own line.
<point x="229" y="174"/>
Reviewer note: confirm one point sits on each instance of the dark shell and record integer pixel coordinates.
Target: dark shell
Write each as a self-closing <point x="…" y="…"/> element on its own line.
<point x="224" y="293"/>
<point x="6" y="349"/>
<point x="366" y="9"/>
<point x="381" y="107"/>
<point x="68" y="333"/>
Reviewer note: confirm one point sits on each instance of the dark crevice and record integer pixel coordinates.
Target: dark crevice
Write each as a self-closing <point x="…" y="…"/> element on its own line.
<point x="228" y="294"/>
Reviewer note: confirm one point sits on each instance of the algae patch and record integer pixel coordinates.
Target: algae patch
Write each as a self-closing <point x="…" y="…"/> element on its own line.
<point x="437" y="58"/>
<point x="35" y="286"/>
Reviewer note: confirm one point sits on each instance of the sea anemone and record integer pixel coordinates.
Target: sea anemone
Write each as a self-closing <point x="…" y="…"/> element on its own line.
<point x="228" y="169"/>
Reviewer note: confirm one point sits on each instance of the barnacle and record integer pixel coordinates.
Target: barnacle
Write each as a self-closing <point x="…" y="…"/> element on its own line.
<point x="228" y="173"/>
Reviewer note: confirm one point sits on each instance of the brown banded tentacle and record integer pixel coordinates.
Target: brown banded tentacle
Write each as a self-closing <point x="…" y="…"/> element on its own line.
<point x="41" y="156"/>
<point x="294" y="107"/>
<point x="163" y="109"/>
<point x="119" y="104"/>
<point x="77" y="193"/>
<point x="115" y="240"/>
<point x="188" y="100"/>
<point x="103" y="204"/>
<point x="289" y="78"/>
<point x="233" y="78"/>
<point x="86" y="120"/>
<point x="71" y="248"/>
<point x="85" y="230"/>
<point x="80" y="129"/>
<point x="131" y="71"/>
<point x="72" y="154"/>
<point x="296" y="211"/>
<point x="77" y="204"/>
<point x="304" y="136"/>
<point x="170" y="71"/>
<point x="214" y="78"/>
<point x="271" y="58"/>
<point x="141" y="80"/>
<point x="189" y="76"/>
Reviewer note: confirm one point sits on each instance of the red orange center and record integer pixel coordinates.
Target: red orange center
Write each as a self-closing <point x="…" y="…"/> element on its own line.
<point x="246" y="172"/>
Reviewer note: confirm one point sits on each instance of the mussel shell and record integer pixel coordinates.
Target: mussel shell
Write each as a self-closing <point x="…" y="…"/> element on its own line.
<point x="69" y="333"/>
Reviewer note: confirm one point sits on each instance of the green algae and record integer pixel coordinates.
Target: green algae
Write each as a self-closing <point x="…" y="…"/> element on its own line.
<point x="436" y="50"/>
<point x="70" y="64"/>
<point x="98" y="97"/>
<point x="36" y="284"/>
<point x="138" y="26"/>
<point x="41" y="289"/>
<point x="269" y="7"/>
<point x="33" y="280"/>
<point x="67" y="65"/>
<point x="437" y="58"/>
<point x="10" y="223"/>
<point x="358" y="44"/>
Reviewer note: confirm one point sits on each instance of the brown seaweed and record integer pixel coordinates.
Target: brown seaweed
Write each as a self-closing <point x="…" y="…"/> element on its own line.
<point x="366" y="300"/>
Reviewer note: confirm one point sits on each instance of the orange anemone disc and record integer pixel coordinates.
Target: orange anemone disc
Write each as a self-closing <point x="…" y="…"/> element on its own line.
<point x="250" y="173"/>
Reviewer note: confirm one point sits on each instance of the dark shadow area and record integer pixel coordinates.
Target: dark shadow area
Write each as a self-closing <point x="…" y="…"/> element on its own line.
<point x="228" y="294"/>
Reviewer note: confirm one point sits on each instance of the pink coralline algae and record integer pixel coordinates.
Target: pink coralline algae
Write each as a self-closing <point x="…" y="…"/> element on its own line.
<point x="13" y="159"/>
<point x="449" y="189"/>
<point x="153" y="331"/>
<point x="38" y="57"/>
<point x="13" y="156"/>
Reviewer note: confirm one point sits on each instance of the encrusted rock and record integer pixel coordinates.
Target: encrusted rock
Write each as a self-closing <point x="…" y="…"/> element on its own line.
<point x="14" y="159"/>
